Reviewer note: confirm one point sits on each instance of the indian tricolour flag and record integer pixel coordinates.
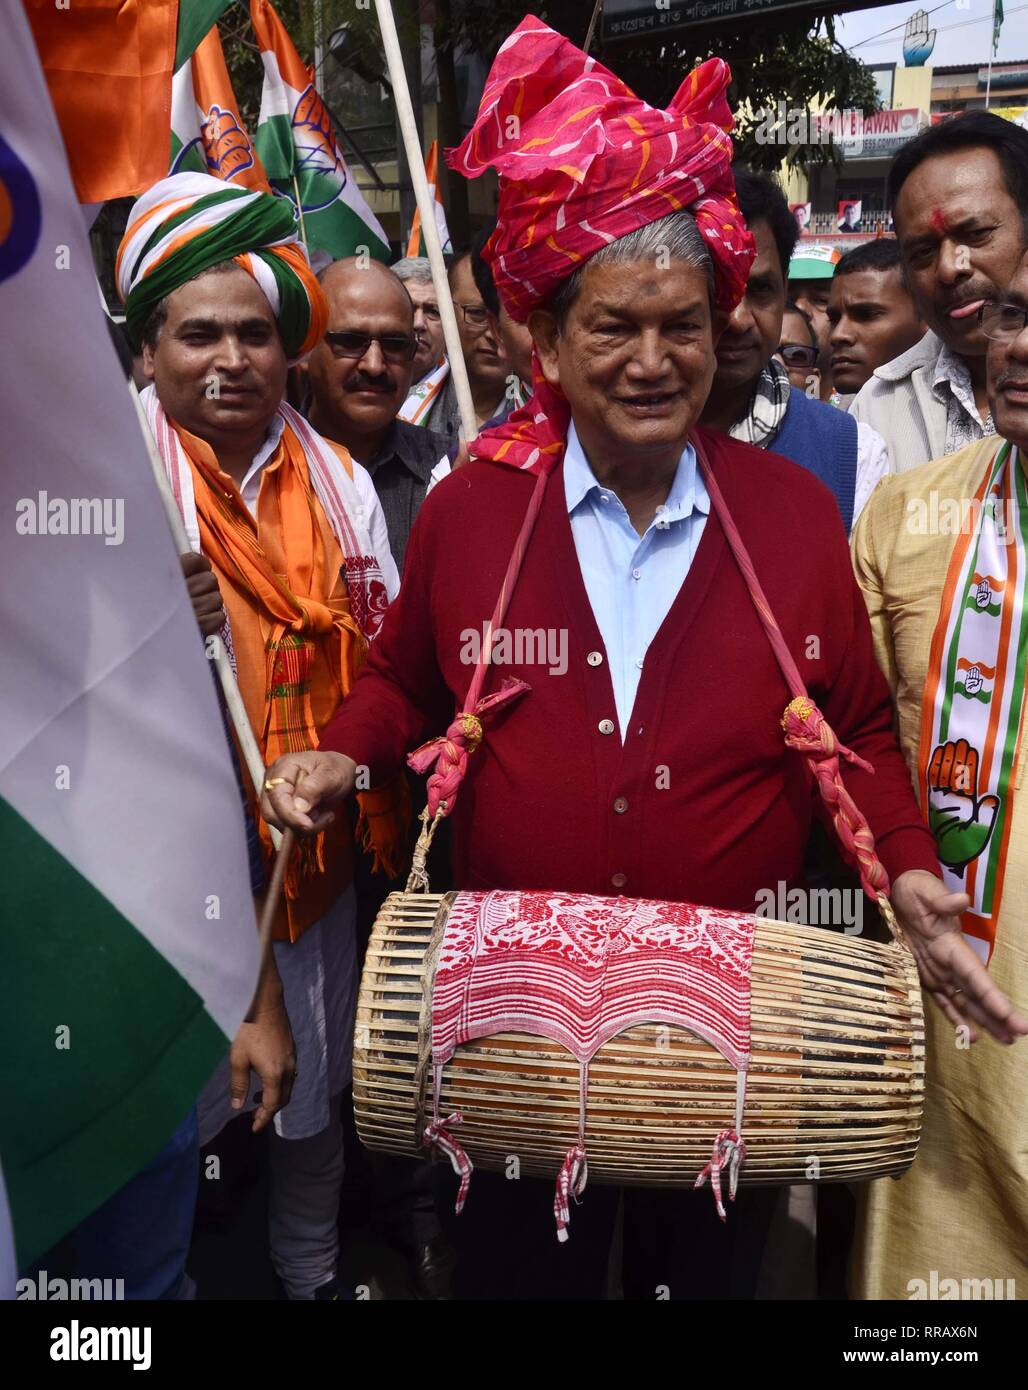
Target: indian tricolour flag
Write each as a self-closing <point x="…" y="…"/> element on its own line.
<point x="129" y="940"/>
<point x="416" y="244"/>
<point x="301" y="156"/>
<point x="207" y="136"/>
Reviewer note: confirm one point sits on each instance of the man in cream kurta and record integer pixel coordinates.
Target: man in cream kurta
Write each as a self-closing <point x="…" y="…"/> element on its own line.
<point x="961" y="1211"/>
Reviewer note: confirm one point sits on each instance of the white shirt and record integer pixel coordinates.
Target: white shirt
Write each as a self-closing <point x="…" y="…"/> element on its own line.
<point x="373" y="519"/>
<point x="632" y="580"/>
<point x="873" y="464"/>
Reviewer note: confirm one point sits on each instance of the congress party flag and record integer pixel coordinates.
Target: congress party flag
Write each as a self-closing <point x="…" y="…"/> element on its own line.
<point x="301" y="156"/>
<point x="129" y="939"/>
<point x="416" y="244"/>
<point x="207" y="136"/>
<point x="108" y="65"/>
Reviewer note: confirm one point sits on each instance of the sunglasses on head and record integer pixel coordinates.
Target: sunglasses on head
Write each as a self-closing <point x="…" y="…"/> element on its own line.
<point x="396" y="348"/>
<point x="797" y="354"/>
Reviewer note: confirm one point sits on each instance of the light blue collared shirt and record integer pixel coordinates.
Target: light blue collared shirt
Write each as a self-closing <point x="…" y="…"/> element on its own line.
<point x="631" y="580"/>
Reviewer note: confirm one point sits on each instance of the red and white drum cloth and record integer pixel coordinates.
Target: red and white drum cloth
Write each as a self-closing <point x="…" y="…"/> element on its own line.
<point x="578" y="970"/>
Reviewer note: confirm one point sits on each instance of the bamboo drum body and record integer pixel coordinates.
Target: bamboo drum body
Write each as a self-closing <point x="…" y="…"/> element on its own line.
<point x="834" y="1093"/>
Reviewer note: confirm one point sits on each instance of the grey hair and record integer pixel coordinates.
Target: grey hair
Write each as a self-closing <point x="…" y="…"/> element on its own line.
<point x="675" y="237"/>
<point x="413" y="268"/>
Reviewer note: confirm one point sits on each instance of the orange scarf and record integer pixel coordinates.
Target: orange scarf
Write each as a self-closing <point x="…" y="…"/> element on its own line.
<point x="298" y="650"/>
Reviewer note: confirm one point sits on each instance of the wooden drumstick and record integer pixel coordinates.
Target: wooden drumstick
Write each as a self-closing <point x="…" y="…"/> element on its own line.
<point x="271" y="897"/>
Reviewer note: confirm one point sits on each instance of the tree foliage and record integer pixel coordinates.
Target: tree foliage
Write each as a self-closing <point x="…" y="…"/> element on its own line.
<point x="791" y="57"/>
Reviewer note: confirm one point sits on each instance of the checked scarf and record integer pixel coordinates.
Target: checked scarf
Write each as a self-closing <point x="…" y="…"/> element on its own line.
<point x="767" y="410"/>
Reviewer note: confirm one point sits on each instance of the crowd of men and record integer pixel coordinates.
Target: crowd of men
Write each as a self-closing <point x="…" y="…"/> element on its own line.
<point x="828" y="394"/>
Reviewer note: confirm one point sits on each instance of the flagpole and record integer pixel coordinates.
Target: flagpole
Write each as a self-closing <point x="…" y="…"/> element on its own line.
<point x="233" y="699"/>
<point x="299" y="209"/>
<point x="988" y="83"/>
<point x="429" y="230"/>
<point x="592" y="26"/>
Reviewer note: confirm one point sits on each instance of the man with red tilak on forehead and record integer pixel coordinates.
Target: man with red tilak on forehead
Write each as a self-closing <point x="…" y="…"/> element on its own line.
<point x="638" y="750"/>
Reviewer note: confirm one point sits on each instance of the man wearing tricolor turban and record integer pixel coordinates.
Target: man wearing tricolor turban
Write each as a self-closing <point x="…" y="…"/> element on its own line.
<point x="611" y="549"/>
<point x="291" y="566"/>
<point x="189" y="223"/>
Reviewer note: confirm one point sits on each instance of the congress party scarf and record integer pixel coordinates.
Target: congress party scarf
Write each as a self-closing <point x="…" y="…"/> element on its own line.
<point x="423" y="396"/>
<point x="971" y="719"/>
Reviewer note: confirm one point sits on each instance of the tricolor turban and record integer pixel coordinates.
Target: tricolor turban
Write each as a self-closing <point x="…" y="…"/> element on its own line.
<point x="582" y="161"/>
<point x="189" y="222"/>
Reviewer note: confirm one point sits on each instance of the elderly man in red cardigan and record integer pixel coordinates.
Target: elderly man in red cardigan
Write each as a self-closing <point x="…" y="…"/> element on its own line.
<point x="645" y="757"/>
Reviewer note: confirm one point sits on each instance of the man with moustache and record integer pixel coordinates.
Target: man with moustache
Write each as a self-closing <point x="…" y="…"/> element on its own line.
<point x="360" y="374"/>
<point x="590" y="508"/>
<point x="220" y="296"/>
<point x="948" y="609"/>
<point x="959" y="198"/>
<point x="752" y="398"/>
<point x="871" y="313"/>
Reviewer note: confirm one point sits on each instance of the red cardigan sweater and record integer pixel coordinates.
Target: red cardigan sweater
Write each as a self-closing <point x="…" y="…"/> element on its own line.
<point x="703" y="803"/>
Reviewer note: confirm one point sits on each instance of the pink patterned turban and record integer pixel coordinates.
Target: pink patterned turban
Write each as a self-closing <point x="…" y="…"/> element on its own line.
<point x="582" y="161"/>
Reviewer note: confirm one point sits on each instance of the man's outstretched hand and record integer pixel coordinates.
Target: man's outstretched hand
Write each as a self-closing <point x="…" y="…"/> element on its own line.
<point x="326" y="778"/>
<point x="950" y="970"/>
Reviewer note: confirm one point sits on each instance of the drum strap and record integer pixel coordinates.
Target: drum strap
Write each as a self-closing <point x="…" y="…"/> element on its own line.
<point x="806" y="728"/>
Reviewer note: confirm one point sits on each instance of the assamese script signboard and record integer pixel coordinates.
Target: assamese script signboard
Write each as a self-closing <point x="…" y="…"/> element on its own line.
<point x="642" y="19"/>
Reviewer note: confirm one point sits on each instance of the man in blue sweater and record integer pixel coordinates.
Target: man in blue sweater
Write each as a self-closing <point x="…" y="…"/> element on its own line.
<point x="752" y="399"/>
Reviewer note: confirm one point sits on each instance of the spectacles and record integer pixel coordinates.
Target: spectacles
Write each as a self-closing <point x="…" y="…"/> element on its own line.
<point x="397" y="348"/>
<point x="475" y="315"/>
<point x="1002" y="322"/>
<point x="797" y="354"/>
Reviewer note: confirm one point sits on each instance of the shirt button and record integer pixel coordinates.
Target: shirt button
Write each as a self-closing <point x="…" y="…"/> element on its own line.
<point x="620" y="805"/>
<point x="604" y="497"/>
<point x="606" y="726"/>
<point x="639" y="662"/>
<point x="595" y="658"/>
<point x="637" y="574"/>
<point x="619" y="880"/>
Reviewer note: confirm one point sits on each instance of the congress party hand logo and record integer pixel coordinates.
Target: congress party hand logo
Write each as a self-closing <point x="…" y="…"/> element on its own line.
<point x="918" y="40"/>
<point x="227" y="147"/>
<point x="960" y="820"/>
<point x="320" y="170"/>
<point x="20" y="215"/>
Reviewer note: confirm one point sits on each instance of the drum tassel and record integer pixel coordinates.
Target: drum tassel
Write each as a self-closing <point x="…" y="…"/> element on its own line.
<point x="729" y="1152"/>
<point x="437" y="1136"/>
<point x="574" y="1171"/>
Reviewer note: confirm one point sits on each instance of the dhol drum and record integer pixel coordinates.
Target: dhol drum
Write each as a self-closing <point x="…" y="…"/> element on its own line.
<point x="833" y="1062"/>
<point x="633" y="1041"/>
